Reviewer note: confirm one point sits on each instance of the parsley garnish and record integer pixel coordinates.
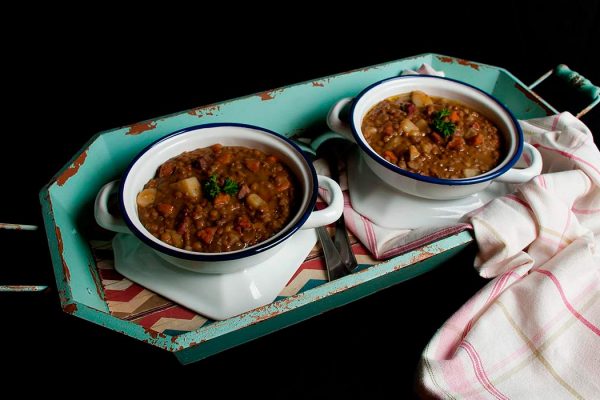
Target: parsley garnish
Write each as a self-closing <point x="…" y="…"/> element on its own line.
<point x="212" y="189"/>
<point x="446" y="128"/>
<point x="230" y="186"/>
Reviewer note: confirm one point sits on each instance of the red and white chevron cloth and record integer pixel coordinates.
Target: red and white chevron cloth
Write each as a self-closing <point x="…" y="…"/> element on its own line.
<point x="534" y="330"/>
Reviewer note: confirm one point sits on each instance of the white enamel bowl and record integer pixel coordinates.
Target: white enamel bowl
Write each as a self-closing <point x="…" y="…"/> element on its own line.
<point x="144" y="167"/>
<point x="426" y="186"/>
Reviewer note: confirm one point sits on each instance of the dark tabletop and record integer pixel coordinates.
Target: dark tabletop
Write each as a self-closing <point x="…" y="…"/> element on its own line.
<point x="75" y="79"/>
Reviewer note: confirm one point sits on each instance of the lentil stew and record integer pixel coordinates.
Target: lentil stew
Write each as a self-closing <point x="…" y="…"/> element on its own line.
<point x="218" y="199"/>
<point x="433" y="136"/>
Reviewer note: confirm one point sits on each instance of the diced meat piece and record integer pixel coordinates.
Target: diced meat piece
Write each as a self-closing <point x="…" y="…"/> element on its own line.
<point x="166" y="169"/>
<point x="203" y="162"/>
<point x="437" y="138"/>
<point x="244" y="190"/>
<point x="207" y="234"/>
<point x="390" y="156"/>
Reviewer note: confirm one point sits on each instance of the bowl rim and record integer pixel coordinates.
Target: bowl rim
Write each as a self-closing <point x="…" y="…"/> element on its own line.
<point x="430" y="179"/>
<point x="223" y="256"/>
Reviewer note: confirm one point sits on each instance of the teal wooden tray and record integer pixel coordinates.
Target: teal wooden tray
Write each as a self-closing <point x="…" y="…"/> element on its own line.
<point x="67" y="202"/>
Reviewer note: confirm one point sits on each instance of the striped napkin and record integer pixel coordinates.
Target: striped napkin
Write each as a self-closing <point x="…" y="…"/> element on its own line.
<point x="534" y="330"/>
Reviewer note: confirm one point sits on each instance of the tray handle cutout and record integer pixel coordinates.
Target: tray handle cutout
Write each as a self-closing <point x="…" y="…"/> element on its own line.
<point x="21" y="288"/>
<point x="578" y="82"/>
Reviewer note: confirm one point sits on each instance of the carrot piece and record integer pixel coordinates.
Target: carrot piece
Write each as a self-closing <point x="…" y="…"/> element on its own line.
<point x="244" y="223"/>
<point x="271" y="159"/>
<point x="456" y="143"/>
<point x="165" y="209"/>
<point x="207" y="234"/>
<point x="454" y="117"/>
<point x="252" y="164"/>
<point x="225" y="158"/>
<point x="390" y="156"/>
<point x="388" y="130"/>
<point x="476" y="140"/>
<point x="221" y="199"/>
<point x="283" y="184"/>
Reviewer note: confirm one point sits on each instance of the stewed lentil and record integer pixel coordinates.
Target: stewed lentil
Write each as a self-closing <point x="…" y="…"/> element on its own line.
<point x="433" y="136"/>
<point x="218" y="199"/>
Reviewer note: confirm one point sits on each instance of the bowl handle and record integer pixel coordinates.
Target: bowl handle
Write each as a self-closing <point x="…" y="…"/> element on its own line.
<point x="333" y="211"/>
<point x="521" y="175"/>
<point x="336" y="123"/>
<point x="103" y="217"/>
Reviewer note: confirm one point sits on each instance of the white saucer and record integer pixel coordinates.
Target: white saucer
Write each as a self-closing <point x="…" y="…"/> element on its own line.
<point x="217" y="296"/>
<point x="390" y="208"/>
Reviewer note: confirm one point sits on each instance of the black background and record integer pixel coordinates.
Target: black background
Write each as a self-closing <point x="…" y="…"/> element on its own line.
<point x="75" y="77"/>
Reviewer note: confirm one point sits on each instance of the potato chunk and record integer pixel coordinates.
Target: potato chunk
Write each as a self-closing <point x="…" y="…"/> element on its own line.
<point x="256" y="202"/>
<point x="408" y="126"/>
<point x="189" y="186"/>
<point x="471" y="172"/>
<point x="146" y="197"/>
<point x="421" y="99"/>
<point x="413" y="152"/>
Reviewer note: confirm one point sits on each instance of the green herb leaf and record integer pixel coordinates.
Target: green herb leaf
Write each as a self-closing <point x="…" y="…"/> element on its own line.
<point x="230" y="186"/>
<point x="211" y="187"/>
<point x="444" y="112"/>
<point x="442" y="126"/>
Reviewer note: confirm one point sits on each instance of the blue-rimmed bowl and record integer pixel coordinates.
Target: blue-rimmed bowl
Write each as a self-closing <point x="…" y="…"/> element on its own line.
<point x="426" y="186"/>
<point x="144" y="167"/>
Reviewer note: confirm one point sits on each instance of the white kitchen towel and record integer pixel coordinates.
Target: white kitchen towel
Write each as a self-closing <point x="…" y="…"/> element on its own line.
<point x="534" y="330"/>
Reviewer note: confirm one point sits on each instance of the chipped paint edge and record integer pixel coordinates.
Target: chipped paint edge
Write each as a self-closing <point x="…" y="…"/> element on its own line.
<point x="353" y="281"/>
<point x="62" y="283"/>
<point x="519" y="85"/>
<point x="307" y="308"/>
<point x="70" y="306"/>
<point x="23" y="288"/>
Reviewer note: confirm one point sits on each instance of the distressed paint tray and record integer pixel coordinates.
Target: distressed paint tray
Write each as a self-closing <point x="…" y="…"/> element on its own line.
<point x="88" y="287"/>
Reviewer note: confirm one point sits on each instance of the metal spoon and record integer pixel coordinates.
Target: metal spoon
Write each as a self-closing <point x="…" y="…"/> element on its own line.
<point x="332" y="150"/>
<point x="336" y="267"/>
